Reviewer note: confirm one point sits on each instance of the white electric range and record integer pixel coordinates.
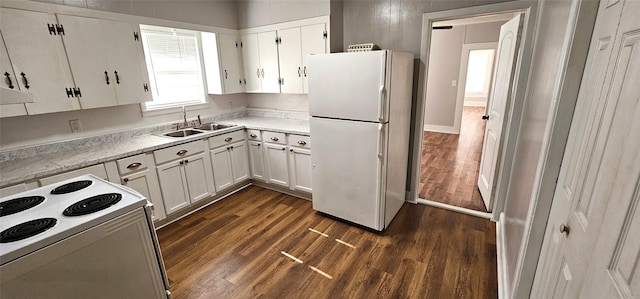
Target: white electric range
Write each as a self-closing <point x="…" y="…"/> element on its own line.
<point x="96" y="237"/>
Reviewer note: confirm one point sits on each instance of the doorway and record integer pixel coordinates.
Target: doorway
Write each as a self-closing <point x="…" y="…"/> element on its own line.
<point x="458" y="89"/>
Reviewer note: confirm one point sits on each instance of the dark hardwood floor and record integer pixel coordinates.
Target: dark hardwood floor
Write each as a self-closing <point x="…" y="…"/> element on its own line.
<point x="246" y="246"/>
<point x="450" y="163"/>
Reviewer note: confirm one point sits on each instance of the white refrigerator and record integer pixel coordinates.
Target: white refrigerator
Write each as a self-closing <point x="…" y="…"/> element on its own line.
<point x="360" y="107"/>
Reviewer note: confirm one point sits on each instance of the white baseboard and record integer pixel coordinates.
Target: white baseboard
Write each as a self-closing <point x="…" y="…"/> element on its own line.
<point x="480" y="103"/>
<point x="503" y="283"/>
<point x="449" y="207"/>
<point x="441" y="129"/>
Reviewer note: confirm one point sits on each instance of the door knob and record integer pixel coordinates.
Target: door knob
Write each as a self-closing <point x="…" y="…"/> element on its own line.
<point x="564" y="229"/>
<point x="485" y="117"/>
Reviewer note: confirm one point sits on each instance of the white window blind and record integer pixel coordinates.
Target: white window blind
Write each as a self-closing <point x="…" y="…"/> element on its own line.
<point x="174" y="66"/>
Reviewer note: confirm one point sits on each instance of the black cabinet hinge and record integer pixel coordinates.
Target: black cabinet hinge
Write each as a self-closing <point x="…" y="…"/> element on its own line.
<point x="136" y="36"/>
<point x="241" y="45"/>
<point x="236" y="44"/>
<point x="145" y="87"/>
<point x="278" y="40"/>
<point x="324" y="34"/>
<point x="281" y="81"/>
<point x="69" y="92"/>
<point x="77" y="93"/>
<point x="60" y="29"/>
<point x="52" y="29"/>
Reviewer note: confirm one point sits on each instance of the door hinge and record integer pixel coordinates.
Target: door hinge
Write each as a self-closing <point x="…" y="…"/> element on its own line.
<point x="241" y="45"/>
<point x="278" y="40"/>
<point x="136" y="36"/>
<point x="69" y="92"/>
<point x="281" y="81"/>
<point x="52" y="29"/>
<point x="145" y="87"/>
<point x="236" y="44"/>
<point x="324" y="34"/>
<point x="77" y="93"/>
<point x="60" y="29"/>
<point x="244" y="81"/>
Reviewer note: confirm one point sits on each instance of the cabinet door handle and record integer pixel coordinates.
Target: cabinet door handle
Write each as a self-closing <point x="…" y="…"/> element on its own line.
<point x="106" y="77"/>
<point x="186" y="161"/>
<point x="231" y="147"/>
<point x="305" y="71"/>
<point x="262" y="73"/>
<point x="134" y="165"/>
<point x="291" y="150"/>
<point x="258" y="72"/>
<point x="24" y="80"/>
<point x="284" y="148"/>
<point x="125" y="180"/>
<point x="226" y="76"/>
<point x="117" y="77"/>
<point x="301" y="142"/>
<point x="8" y="79"/>
<point x="299" y="72"/>
<point x="181" y="152"/>
<point x="253" y="135"/>
<point x="228" y="139"/>
<point x="181" y="162"/>
<point x="274" y="138"/>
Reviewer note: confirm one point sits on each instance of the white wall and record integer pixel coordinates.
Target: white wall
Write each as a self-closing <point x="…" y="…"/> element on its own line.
<point x="254" y="13"/>
<point x="29" y="130"/>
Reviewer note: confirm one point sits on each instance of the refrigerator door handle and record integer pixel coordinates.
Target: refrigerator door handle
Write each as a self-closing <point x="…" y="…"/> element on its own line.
<point x="383" y="92"/>
<point x="380" y="141"/>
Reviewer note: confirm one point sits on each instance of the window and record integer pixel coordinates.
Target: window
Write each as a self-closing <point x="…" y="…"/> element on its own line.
<point x="479" y="72"/>
<point x="174" y="67"/>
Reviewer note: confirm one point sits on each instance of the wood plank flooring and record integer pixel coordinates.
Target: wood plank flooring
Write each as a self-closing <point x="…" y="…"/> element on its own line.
<point x="246" y="246"/>
<point x="450" y="163"/>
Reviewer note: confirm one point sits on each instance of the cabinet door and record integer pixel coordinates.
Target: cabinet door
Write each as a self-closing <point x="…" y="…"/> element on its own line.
<point x="239" y="161"/>
<point x="268" y="52"/>
<point x="313" y="42"/>
<point x="146" y="183"/>
<point x="231" y="67"/>
<point x="222" y="172"/>
<point x="172" y="186"/>
<point x="277" y="169"/>
<point x="40" y="56"/>
<point x="126" y="61"/>
<point x="86" y="48"/>
<point x="256" y="160"/>
<point x="195" y="168"/>
<point x="300" y="164"/>
<point x="289" y="51"/>
<point x="251" y="62"/>
<point x="9" y="81"/>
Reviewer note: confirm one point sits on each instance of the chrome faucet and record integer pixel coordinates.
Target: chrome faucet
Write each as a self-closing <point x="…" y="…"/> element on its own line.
<point x="184" y="117"/>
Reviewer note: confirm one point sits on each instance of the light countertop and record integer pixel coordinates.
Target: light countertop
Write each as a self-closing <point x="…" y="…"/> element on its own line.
<point x="20" y="170"/>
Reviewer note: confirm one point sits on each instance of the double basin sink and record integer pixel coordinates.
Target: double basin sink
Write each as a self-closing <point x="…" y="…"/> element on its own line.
<point x="196" y="130"/>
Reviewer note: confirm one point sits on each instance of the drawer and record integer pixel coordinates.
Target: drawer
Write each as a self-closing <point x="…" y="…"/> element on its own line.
<point x="300" y="141"/>
<point x="274" y="137"/>
<point x="254" y="135"/>
<point x="224" y="139"/>
<point x="178" y="151"/>
<point x="132" y="164"/>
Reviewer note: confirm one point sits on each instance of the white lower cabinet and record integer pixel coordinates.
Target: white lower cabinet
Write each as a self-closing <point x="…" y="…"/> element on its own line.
<point x="300" y="169"/>
<point x="185" y="175"/>
<point x="277" y="168"/>
<point x="256" y="160"/>
<point x="229" y="160"/>
<point x="137" y="172"/>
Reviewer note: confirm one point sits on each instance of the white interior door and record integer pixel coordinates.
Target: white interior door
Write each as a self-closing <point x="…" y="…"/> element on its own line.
<point x="500" y="94"/>
<point x="347" y="170"/>
<point x="348" y="85"/>
<point x="595" y="200"/>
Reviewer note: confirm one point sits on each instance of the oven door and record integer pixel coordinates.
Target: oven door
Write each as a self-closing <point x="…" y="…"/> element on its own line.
<point x="115" y="259"/>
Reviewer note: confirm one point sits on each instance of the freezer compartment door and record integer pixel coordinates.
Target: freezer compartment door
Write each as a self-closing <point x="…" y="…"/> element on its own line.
<point x="348" y="159"/>
<point x="348" y="85"/>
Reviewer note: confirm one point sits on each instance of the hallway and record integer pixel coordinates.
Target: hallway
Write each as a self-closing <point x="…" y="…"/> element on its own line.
<point x="450" y="162"/>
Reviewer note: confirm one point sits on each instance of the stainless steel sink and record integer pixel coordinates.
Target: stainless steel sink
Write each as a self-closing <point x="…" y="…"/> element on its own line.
<point x="182" y="133"/>
<point x="213" y="127"/>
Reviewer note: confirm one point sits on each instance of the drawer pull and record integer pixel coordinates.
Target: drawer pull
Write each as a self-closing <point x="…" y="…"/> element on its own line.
<point x="134" y="165"/>
<point x="228" y="139"/>
<point x="274" y="138"/>
<point x="181" y="152"/>
<point x="125" y="180"/>
<point x="253" y="135"/>
<point x="301" y="142"/>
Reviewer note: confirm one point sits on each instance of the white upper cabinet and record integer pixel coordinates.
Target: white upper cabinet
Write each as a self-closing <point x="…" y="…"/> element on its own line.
<point x="290" y="49"/>
<point x="314" y="41"/>
<point x="223" y="68"/>
<point x="39" y="60"/>
<point x="9" y="82"/>
<point x="260" y="60"/>
<point x="106" y="61"/>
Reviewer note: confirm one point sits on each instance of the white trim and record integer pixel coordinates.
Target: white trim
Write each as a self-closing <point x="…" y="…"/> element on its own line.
<point x="453" y="208"/>
<point x="503" y="284"/>
<point x="441" y="129"/>
<point x="462" y="79"/>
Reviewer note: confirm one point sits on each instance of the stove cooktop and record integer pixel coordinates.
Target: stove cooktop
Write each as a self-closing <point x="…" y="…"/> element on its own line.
<point x="36" y="218"/>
